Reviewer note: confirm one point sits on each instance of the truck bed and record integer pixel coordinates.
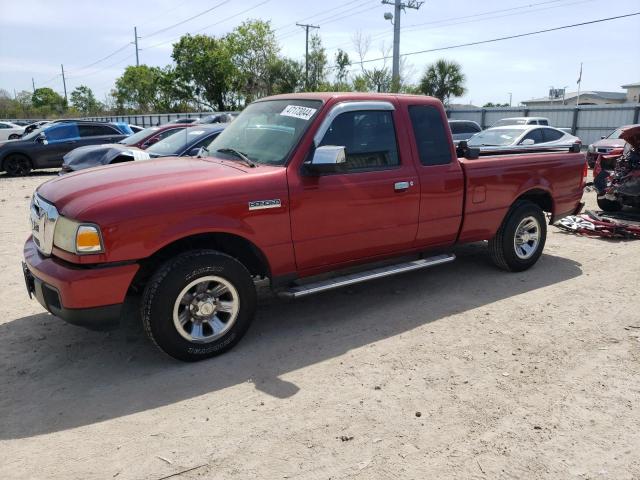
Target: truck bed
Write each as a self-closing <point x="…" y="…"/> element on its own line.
<point x="494" y="182"/>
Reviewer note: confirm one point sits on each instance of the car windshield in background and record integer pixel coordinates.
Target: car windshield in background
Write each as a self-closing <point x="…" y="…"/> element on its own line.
<point x="141" y="135"/>
<point x="615" y="134"/>
<point x="33" y="134"/>
<point x="498" y="137"/>
<point x="505" y="122"/>
<point x="266" y="132"/>
<point x="175" y="143"/>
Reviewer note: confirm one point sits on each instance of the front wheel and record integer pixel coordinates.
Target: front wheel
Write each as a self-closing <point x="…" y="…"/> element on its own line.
<point x="17" y="165"/>
<point x="198" y="305"/>
<point x="14" y="136"/>
<point x="520" y="239"/>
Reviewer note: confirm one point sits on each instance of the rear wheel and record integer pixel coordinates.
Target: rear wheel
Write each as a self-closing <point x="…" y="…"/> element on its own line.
<point x="609" y="205"/>
<point x="520" y="239"/>
<point x="198" y="305"/>
<point x="17" y="165"/>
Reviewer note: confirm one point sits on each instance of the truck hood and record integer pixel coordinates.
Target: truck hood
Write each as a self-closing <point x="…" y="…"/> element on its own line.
<point x="79" y="192"/>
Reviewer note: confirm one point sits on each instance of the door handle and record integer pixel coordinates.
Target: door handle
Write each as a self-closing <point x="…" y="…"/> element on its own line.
<point x="70" y="142"/>
<point x="402" y="186"/>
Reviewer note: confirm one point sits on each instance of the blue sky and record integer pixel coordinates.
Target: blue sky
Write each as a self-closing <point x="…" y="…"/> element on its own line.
<point x="37" y="36"/>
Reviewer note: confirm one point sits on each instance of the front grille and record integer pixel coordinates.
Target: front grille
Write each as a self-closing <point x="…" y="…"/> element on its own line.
<point x="43" y="217"/>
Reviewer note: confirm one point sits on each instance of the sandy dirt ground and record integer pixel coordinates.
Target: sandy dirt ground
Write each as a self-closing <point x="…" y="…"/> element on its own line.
<point x="462" y="371"/>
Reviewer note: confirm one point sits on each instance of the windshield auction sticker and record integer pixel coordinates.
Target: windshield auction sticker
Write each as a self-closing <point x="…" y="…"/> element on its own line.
<point x="304" y="113"/>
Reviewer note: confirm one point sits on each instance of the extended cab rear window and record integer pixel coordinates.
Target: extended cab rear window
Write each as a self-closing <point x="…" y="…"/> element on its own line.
<point x="431" y="137"/>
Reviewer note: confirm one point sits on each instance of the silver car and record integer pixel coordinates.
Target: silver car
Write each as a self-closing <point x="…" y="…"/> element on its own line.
<point x="523" y="137"/>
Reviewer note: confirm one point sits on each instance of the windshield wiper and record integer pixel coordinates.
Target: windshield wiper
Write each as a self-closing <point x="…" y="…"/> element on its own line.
<point x="240" y="155"/>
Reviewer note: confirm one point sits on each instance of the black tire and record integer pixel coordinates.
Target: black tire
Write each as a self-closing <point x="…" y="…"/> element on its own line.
<point x="502" y="247"/>
<point x="609" y="205"/>
<point x="171" y="280"/>
<point x="14" y="136"/>
<point x="17" y="165"/>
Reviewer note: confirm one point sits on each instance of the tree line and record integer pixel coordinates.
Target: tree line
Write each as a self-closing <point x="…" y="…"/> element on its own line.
<point x="227" y="72"/>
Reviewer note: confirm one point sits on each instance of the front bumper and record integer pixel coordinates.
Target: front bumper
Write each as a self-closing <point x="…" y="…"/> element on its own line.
<point x="87" y="296"/>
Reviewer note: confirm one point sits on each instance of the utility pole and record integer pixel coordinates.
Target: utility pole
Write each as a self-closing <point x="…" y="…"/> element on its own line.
<point x="135" y="41"/>
<point x="33" y="84"/>
<point x="306" y="55"/>
<point x="399" y="7"/>
<point x="579" y="82"/>
<point x="510" y="98"/>
<point x="64" y="83"/>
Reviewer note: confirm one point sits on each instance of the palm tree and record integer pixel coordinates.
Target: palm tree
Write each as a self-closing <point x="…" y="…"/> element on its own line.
<point x="443" y="79"/>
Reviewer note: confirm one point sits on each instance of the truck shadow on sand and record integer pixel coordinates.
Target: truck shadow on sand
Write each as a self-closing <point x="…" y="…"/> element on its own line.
<point x="56" y="376"/>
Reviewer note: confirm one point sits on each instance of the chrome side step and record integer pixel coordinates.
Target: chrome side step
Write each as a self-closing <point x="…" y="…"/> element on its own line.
<point x="337" y="282"/>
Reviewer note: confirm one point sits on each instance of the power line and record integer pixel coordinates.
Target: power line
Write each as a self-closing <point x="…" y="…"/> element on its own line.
<point x="208" y="26"/>
<point x="509" y="37"/>
<point x="187" y="19"/>
<point x="471" y="18"/>
<point x="106" y="67"/>
<point x="333" y="17"/>
<point x="103" y="58"/>
<point x="442" y="22"/>
<point x="320" y="13"/>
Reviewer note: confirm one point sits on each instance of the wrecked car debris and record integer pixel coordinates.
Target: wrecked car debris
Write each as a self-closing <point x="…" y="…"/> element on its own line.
<point x="617" y="176"/>
<point x="595" y="225"/>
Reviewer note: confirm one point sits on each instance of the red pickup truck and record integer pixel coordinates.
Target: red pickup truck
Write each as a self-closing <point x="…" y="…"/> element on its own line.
<point x="312" y="191"/>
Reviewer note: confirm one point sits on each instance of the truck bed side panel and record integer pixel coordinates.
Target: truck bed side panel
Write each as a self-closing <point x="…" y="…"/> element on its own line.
<point x="492" y="185"/>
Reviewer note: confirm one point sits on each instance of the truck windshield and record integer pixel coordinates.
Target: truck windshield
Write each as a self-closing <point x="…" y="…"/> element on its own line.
<point x="265" y="132"/>
<point x="499" y="136"/>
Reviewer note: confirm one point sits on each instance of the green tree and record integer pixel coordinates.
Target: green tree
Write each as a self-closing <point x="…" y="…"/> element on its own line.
<point x="137" y="88"/>
<point x="342" y="62"/>
<point x="443" y="79"/>
<point x="204" y="65"/>
<point x="83" y="99"/>
<point x="491" y="104"/>
<point x="46" y="100"/>
<point x="378" y="79"/>
<point x="317" y="65"/>
<point x="285" y="76"/>
<point x="254" y="49"/>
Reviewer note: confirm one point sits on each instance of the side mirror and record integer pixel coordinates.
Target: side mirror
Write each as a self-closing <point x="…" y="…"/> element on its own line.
<point x="194" y="152"/>
<point x="602" y="137"/>
<point x="42" y="139"/>
<point x="528" y="141"/>
<point x="463" y="150"/>
<point x="327" y="159"/>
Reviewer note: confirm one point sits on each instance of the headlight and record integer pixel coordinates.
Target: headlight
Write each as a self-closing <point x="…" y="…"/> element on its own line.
<point x="591" y="149"/>
<point x="76" y="237"/>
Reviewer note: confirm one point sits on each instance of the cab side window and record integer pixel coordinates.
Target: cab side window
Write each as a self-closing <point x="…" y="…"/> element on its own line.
<point x="369" y="138"/>
<point x="432" y="139"/>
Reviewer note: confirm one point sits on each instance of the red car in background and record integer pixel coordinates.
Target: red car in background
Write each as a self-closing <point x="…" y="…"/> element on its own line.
<point x="607" y="145"/>
<point x="147" y="137"/>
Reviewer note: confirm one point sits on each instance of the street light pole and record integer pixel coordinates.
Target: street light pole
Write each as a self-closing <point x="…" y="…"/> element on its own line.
<point x="398" y="7"/>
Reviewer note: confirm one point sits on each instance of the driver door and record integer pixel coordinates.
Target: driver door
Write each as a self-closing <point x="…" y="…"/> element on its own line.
<point x="369" y="210"/>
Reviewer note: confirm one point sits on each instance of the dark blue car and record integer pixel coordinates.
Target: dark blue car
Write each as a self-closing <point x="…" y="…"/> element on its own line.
<point x="45" y="147"/>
